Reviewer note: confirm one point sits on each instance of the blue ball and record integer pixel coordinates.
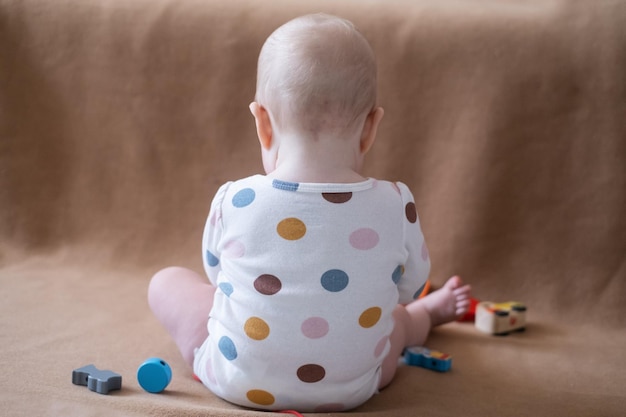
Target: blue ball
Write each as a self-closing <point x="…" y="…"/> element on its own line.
<point x="154" y="375"/>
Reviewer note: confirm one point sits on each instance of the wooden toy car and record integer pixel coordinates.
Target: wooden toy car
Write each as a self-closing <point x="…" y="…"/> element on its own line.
<point x="426" y="358"/>
<point x="500" y="318"/>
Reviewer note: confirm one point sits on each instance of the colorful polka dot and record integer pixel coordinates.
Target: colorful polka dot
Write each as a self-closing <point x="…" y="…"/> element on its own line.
<point x="396" y="276"/>
<point x="226" y="288"/>
<point x="243" y="197"/>
<point x="337" y="198"/>
<point x="260" y="397"/>
<point x="291" y="228"/>
<point x="315" y="327"/>
<point x="419" y="292"/>
<point x="335" y="280"/>
<point x="411" y="212"/>
<point x="380" y="346"/>
<point x="311" y="373"/>
<point x="234" y="249"/>
<point x="227" y="347"/>
<point x="256" y="328"/>
<point x="211" y="259"/>
<point x="267" y="284"/>
<point x="370" y="317"/>
<point x="364" y="239"/>
<point x="285" y="185"/>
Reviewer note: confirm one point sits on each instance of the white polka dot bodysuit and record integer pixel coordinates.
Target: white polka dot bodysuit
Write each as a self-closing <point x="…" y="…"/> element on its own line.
<point x="307" y="278"/>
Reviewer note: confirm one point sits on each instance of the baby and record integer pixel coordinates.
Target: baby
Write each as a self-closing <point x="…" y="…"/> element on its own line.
<point x="315" y="271"/>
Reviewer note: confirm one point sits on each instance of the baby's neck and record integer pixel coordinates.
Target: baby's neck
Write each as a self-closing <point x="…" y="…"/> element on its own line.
<point x="316" y="175"/>
<point x="321" y="161"/>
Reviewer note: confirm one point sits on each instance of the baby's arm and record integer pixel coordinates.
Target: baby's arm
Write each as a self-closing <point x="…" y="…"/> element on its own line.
<point x="212" y="235"/>
<point x="417" y="267"/>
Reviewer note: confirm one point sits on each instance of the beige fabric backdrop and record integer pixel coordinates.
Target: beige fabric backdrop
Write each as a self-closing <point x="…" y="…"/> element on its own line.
<point x="119" y="120"/>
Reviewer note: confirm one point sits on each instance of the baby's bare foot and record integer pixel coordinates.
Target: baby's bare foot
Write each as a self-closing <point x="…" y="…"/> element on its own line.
<point x="448" y="303"/>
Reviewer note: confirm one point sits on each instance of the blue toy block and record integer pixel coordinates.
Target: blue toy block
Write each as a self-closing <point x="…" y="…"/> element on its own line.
<point x="96" y="380"/>
<point x="426" y="358"/>
<point x="154" y="375"/>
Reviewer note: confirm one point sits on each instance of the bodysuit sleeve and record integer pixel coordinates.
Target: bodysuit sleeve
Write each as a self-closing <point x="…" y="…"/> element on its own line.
<point x="417" y="266"/>
<point x="212" y="235"/>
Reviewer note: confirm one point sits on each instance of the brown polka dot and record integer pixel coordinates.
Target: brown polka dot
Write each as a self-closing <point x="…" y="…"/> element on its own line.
<point x="370" y="317"/>
<point x="291" y="228"/>
<point x="267" y="284"/>
<point x="258" y="396"/>
<point x="411" y="212"/>
<point x="311" y="373"/>
<point x="337" y="198"/>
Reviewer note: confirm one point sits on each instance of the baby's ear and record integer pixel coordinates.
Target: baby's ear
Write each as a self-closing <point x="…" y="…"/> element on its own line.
<point x="370" y="128"/>
<point x="263" y="124"/>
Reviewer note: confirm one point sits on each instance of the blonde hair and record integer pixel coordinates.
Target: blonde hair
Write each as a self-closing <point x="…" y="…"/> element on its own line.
<point x="317" y="73"/>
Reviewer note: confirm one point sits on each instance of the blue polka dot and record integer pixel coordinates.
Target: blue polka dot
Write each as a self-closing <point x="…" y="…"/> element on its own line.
<point x="211" y="259"/>
<point x="397" y="274"/>
<point x="227" y="347"/>
<point x="419" y="292"/>
<point x="226" y="288"/>
<point x="244" y="197"/>
<point x="334" y="280"/>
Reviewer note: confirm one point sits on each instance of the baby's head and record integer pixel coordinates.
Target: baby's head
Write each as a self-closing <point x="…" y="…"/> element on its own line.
<point x="317" y="76"/>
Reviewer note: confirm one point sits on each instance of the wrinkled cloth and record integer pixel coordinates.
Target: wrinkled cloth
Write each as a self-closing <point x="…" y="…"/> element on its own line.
<point x="119" y="120"/>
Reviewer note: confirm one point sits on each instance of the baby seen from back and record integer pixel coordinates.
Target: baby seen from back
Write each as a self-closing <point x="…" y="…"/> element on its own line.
<point x="313" y="269"/>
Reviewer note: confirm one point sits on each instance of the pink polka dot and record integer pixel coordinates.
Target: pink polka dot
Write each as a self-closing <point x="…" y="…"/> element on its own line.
<point x="364" y="239"/>
<point x="380" y="347"/>
<point x="234" y="249"/>
<point x="314" y="327"/>
<point x="395" y="187"/>
<point x="425" y="255"/>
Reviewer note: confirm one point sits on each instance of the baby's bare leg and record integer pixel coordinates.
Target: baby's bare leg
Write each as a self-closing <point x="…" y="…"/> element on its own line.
<point x="414" y="321"/>
<point x="181" y="300"/>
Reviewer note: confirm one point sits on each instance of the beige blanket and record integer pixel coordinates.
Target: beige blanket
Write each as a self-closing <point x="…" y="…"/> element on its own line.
<point x="119" y="119"/>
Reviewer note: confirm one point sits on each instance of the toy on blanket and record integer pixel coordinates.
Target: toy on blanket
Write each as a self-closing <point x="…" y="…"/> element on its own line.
<point x="154" y="375"/>
<point x="500" y="319"/>
<point x="426" y="358"/>
<point x="96" y="380"/>
<point x="470" y="315"/>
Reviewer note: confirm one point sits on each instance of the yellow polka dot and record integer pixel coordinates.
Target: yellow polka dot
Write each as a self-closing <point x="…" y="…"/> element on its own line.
<point x="256" y="328"/>
<point x="370" y="317"/>
<point x="291" y="228"/>
<point x="258" y="396"/>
